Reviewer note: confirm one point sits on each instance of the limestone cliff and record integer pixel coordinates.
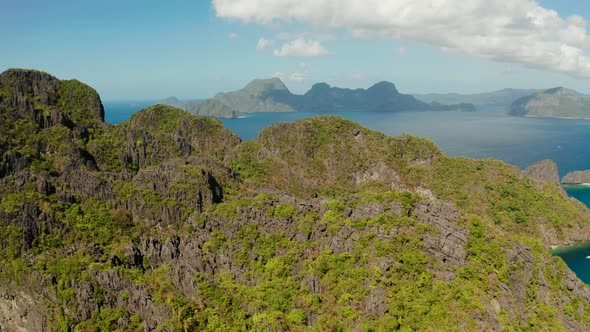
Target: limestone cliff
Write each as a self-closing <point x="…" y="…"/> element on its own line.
<point x="169" y="222"/>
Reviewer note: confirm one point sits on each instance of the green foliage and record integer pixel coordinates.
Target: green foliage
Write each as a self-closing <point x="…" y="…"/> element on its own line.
<point x="266" y="262"/>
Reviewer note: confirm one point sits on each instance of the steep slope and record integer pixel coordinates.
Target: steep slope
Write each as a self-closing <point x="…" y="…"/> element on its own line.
<point x="500" y="98"/>
<point x="553" y="103"/>
<point x="207" y="107"/>
<point x="269" y="95"/>
<point x="169" y="222"/>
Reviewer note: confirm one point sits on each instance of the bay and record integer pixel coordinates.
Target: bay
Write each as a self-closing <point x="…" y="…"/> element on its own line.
<point x="576" y="258"/>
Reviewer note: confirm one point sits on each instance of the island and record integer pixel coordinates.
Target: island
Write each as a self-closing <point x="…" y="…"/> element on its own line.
<point x="553" y="103"/>
<point x="272" y="95"/>
<point x="577" y="177"/>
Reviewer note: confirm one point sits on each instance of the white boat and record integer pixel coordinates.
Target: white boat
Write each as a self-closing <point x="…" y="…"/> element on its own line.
<point x="588" y="257"/>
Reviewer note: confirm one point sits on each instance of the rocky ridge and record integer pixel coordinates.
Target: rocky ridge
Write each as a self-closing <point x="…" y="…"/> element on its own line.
<point x="169" y="222"/>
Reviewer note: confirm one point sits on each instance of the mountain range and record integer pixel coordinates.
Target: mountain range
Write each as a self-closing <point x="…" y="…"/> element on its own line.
<point x="169" y="222"/>
<point x="271" y="95"/>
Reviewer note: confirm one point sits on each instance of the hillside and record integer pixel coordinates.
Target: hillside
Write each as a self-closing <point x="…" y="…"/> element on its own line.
<point x="207" y="107"/>
<point x="553" y="103"/>
<point x="500" y="98"/>
<point x="271" y="95"/>
<point x="169" y="222"/>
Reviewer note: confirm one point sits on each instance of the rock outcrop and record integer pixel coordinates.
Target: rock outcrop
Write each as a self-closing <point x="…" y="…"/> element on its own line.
<point x="576" y="177"/>
<point x="169" y="222"/>
<point x="545" y="170"/>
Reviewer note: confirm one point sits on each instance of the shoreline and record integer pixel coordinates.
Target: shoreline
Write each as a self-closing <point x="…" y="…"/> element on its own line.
<point x="554" y="117"/>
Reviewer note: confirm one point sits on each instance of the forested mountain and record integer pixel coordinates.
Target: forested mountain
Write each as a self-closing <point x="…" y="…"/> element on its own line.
<point x="169" y="222"/>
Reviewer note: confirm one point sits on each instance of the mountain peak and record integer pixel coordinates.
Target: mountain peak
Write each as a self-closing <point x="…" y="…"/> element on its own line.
<point x="260" y="86"/>
<point x="555" y="102"/>
<point x="560" y="91"/>
<point x="384" y="87"/>
<point x="26" y="73"/>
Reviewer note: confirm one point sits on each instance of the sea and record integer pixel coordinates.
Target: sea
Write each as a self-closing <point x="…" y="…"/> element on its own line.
<point x="487" y="133"/>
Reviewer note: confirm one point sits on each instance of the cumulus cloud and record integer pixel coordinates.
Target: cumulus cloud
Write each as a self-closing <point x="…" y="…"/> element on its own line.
<point x="301" y="48"/>
<point x="263" y="44"/>
<point x="298" y="74"/>
<point x="517" y="31"/>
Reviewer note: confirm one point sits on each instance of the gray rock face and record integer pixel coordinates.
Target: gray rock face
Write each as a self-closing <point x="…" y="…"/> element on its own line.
<point x="21" y="312"/>
<point x="545" y="170"/>
<point x="448" y="245"/>
<point x="577" y="177"/>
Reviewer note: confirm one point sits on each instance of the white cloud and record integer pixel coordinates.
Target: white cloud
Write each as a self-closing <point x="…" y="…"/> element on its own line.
<point x="516" y="31"/>
<point x="320" y="36"/>
<point x="263" y="44"/>
<point x="301" y="48"/>
<point x="232" y="36"/>
<point x="299" y="74"/>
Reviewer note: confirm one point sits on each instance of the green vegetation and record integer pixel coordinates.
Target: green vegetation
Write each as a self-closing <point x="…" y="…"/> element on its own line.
<point x="169" y="222"/>
<point x="552" y="103"/>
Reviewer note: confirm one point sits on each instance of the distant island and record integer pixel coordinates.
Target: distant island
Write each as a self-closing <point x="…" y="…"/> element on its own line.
<point x="577" y="177"/>
<point x="271" y="95"/>
<point x="499" y="98"/>
<point x="553" y="103"/>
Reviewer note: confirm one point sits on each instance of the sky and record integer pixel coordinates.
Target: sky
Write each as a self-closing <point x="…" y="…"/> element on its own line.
<point x="152" y="49"/>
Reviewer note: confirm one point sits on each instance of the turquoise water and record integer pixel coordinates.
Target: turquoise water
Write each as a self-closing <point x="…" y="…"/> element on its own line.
<point x="487" y="133"/>
<point x="582" y="193"/>
<point x="576" y="259"/>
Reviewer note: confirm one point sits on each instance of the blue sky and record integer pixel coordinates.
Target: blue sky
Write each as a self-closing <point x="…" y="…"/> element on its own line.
<point x="192" y="49"/>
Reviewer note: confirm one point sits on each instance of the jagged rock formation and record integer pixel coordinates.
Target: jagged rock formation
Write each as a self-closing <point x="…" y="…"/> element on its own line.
<point x="545" y="170"/>
<point x="169" y="222"/>
<point x="271" y="95"/>
<point x="545" y="173"/>
<point x="553" y="103"/>
<point x="576" y="177"/>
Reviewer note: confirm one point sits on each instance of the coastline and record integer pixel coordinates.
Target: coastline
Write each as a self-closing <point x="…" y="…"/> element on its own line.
<point x="557" y="248"/>
<point x="554" y="117"/>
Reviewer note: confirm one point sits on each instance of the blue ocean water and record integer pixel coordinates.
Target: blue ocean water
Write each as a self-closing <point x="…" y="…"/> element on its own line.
<point x="484" y="134"/>
<point x="488" y="133"/>
<point x="118" y="111"/>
